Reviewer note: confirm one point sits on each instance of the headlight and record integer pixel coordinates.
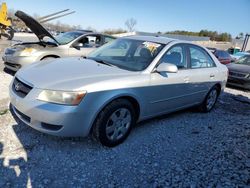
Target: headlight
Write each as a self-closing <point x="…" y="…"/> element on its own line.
<point x="27" y="52"/>
<point x="62" y="97"/>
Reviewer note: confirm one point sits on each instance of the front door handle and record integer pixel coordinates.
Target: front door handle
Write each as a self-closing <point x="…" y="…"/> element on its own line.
<point x="186" y="79"/>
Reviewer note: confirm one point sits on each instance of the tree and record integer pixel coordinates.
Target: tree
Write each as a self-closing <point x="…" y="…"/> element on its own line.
<point x="130" y="24"/>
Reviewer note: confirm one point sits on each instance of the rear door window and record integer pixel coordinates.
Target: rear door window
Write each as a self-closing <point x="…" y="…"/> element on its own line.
<point x="199" y="58"/>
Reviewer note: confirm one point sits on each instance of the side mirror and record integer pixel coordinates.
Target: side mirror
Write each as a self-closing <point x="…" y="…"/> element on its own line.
<point x="78" y="46"/>
<point x="167" y="67"/>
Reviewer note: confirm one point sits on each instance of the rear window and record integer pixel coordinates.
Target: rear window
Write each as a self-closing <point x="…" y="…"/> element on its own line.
<point x="222" y="54"/>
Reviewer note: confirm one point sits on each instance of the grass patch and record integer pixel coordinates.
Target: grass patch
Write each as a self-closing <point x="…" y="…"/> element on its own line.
<point x="3" y="112"/>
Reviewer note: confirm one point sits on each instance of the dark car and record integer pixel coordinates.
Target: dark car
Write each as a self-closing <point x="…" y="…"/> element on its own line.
<point x="223" y="56"/>
<point x="239" y="73"/>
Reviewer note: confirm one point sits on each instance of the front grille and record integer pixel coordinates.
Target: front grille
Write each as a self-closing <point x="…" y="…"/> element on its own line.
<point x="238" y="74"/>
<point x="17" y="66"/>
<point x="23" y="116"/>
<point x="9" y="51"/>
<point x="20" y="88"/>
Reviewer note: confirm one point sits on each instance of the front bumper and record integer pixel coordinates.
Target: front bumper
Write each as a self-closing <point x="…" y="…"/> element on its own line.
<point x="239" y="82"/>
<point x="53" y="119"/>
<point x="14" y="63"/>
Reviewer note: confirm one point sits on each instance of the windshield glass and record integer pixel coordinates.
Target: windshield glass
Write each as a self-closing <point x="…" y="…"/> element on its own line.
<point x="244" y="60"/>
<point x="65" y="38"/>
<point x="129" y="54"/>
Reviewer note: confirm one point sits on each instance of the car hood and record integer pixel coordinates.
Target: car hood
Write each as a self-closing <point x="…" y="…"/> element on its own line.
<point x="69" y="74"/>
<point x="238" y="67"/>
<point x="34" y="26"/>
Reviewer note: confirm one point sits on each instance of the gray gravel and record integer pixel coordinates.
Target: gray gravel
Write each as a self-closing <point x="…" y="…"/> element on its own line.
<point x="184" y="149"/>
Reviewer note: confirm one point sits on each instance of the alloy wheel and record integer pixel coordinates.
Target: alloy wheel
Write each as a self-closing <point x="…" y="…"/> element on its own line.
<point x="118" y="124"/>
<point x="211" y="99"/>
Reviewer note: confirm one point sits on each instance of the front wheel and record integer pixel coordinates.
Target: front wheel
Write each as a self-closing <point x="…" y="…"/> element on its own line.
<point x="114" y="123"/>
<point x="10" y="33"/>
<point x="210" y="100"/>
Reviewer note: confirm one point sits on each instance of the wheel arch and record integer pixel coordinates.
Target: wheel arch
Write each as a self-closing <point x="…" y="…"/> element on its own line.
<point x="132" y="99"/>
<point x="218" y="86"/>
<point x="52" y="55"/>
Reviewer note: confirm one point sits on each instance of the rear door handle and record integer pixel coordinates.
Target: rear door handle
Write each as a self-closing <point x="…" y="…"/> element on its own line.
<point x="212" y="75"/>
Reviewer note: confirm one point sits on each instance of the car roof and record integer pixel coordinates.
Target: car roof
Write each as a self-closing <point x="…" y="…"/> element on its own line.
<point x="156" y="39"/>
<point x="79" y="31"/>
<point x="83" y="32"/>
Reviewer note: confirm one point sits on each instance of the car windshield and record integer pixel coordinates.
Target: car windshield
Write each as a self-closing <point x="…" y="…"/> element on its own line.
<point x="65" y="38"/>
<point x="129" y="54"/>
<point x="244" y="60"/>
<point x="240" y="54"/>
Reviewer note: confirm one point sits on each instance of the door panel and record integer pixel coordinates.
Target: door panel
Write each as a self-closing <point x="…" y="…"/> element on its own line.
<point x="201" y="81"/>
<point x="170" y="91"/>
<point x="203" y="72"/>
<point x="83" y="51"/>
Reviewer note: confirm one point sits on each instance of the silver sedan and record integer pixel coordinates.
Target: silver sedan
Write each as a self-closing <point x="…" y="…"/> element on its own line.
<point x="74" y="43"/>
<point x="108" y="92"/>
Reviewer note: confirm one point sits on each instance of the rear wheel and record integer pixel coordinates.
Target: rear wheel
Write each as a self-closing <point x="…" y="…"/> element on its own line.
<point x="210" y="100"/>
<point x="114" y="123"/>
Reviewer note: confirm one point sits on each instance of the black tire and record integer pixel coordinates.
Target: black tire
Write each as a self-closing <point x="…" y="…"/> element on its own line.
<point x="205" y="107"/>
<point x="105" y="118"/>
<point x="11" y="33"/>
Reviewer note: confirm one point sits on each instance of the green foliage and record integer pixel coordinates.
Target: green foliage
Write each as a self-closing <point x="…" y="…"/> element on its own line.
<point x="214" y="35"/>
<point x="3" y="112"/>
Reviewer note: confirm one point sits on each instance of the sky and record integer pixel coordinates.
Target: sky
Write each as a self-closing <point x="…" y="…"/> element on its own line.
<point x="231" y="16"/>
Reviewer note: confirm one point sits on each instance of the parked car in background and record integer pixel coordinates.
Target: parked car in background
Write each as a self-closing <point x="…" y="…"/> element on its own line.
<point x="74" y="43"/>
<point x="239" y="73"/>
<point x="238" y="55"/>
<point x="223" y="56"/>
<point x="233" y="50"/>
<point x="123" y="82"/>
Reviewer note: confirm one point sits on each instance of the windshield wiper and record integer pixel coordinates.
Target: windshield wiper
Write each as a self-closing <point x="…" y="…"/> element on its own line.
<point x="103" y="62"/>
<point x="99" y="61"/>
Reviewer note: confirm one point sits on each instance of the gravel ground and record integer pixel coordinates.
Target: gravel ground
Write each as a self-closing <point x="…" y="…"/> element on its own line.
<point x="5" y="80"/>
<point x="184" y="149"/>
